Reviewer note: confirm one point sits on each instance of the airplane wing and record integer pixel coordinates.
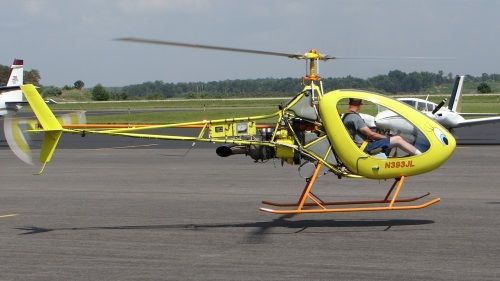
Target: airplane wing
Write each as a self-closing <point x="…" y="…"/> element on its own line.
<point x="478" y="121"/>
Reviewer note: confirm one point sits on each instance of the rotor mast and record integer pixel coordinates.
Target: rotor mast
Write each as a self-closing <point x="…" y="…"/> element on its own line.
<point x="312" y="57"/>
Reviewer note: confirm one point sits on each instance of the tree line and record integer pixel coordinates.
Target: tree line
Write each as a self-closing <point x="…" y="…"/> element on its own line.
<point x="393" y="82"/>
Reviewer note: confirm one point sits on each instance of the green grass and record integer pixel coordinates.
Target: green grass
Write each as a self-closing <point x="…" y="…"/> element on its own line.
<point x="179" y="116"/>
<point x="481" y="107"/>
<point x="201" y="104"/>
<point x="76" y="95"/>
<point x="196" y="110"/>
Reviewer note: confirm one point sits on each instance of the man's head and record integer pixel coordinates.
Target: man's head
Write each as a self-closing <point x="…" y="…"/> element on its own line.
<point x="355" y="102"/>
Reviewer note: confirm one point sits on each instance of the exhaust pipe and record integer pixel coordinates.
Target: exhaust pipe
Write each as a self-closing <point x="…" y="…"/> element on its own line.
<point x="225" y="151"/>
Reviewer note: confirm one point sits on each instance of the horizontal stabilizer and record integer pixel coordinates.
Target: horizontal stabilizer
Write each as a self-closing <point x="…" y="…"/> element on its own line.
<point x="9" y="88"/>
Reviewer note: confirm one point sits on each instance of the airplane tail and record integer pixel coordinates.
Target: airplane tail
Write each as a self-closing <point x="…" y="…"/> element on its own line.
<point x="16" y="74"/>
<point x="11" y="95"/>
<point x="455" y="103"/>
<point x="49" y="123"/>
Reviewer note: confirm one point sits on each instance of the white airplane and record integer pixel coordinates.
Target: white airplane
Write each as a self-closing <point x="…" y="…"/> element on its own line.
<point x="11" y="96"/>
<point x="449" y="116"/>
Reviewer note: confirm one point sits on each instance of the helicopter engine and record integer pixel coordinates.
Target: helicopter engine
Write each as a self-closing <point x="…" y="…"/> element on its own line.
<point x="282" y="137"/>
<point x="256" y="152"/>
<point x="298" y="127"/>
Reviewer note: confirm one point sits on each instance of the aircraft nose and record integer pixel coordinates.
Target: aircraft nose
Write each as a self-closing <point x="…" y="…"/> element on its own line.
<point x="441" y="136"/>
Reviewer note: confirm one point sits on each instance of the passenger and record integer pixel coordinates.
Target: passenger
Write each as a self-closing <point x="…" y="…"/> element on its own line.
<point x="359" y="131"/>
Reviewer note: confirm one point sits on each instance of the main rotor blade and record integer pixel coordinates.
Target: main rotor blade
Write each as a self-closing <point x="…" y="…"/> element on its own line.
<point x="200" y="46"/>
<point x="259" y="52"/>
<point x="388" y="58"/>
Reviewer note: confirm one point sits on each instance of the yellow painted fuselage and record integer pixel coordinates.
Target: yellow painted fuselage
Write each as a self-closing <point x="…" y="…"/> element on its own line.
<point x="441" y="143"/>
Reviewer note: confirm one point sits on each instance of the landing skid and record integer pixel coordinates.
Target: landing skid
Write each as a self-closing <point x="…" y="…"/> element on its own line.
<point x="319" y="206"/>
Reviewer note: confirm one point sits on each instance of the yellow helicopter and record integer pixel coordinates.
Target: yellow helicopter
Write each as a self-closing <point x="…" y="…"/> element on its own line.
<point x="308" y="129"/>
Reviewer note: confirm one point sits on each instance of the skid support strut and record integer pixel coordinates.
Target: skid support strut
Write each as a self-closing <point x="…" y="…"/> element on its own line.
<point x="316" y="205"/>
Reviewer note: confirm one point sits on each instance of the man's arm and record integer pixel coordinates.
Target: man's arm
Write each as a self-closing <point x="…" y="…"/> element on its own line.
<point x="369" y="134"/>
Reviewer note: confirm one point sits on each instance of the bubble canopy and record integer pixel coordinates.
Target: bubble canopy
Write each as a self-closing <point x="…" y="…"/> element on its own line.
<point x="435" y="142"/>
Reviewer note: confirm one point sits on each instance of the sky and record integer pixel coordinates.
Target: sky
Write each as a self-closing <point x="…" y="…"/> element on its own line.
<point x="73" y="40"/>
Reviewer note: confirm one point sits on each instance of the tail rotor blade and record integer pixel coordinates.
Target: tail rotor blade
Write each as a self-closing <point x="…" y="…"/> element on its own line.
<point x="15" y="130"/>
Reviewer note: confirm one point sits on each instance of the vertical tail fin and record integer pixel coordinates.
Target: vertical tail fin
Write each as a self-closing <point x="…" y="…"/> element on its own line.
<point x="456" y="94"/>
<point x="43" y="113"/>
<point x="16" y="74"/>
<point x="51" y="127"/>
<point x="10" y="94"/>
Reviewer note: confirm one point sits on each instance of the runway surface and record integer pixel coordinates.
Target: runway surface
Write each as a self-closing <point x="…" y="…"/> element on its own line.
<point x="104" y="210"/>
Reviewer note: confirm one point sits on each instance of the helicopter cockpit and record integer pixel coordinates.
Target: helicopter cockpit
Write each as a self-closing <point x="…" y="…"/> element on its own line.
<point x="398" y="119"/>
<point x="406" y="138"/>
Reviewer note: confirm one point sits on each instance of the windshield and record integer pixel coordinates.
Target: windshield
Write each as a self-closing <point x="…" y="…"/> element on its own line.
<point x="409" y="102"/>
<point x="386" y="123"/>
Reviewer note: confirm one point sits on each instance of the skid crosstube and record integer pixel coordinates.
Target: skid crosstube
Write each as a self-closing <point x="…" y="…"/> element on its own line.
<point x="319" y="206"/>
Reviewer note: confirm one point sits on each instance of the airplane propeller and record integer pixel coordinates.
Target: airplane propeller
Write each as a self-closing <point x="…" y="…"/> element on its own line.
<point x="438" y="107"/>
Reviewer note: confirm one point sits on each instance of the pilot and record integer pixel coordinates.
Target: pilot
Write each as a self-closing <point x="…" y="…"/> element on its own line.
<point x="359" y="132"/>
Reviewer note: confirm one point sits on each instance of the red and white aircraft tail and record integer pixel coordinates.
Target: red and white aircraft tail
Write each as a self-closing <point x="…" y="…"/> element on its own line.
<point x="10" y="94"/>
<point x="16" y="74"/>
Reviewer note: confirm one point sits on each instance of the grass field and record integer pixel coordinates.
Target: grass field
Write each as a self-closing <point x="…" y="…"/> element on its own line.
<point x="174" y="103"/>
<point x="176" y="116"/>
<point x="173" y="111"/>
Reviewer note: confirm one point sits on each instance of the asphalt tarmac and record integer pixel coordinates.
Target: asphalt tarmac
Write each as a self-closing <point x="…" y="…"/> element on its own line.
<point x="121" y="209"/>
